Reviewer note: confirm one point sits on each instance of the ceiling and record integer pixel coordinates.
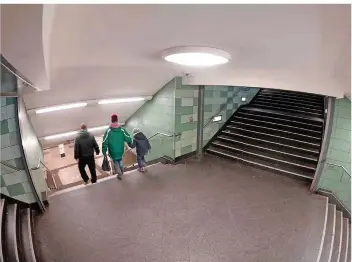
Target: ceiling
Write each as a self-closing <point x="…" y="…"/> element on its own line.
<point x="82" y="52"/>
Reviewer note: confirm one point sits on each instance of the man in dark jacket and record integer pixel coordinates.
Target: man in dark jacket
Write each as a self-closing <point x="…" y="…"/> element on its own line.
<point x="85" y="145"/>
<point x="142" y="145"/>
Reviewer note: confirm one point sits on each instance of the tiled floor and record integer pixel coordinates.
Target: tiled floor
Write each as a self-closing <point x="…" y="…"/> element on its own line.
<point x="212" y="210"/>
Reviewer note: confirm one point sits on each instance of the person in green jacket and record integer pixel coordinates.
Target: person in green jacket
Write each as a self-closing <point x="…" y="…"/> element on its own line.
<point x="114" y="143"/>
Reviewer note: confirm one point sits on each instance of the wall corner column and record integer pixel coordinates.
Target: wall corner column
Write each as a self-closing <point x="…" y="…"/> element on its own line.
<point x="200" y="122"/>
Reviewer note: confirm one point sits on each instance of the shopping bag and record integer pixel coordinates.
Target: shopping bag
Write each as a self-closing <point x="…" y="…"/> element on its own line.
<point x="105" y="165"/>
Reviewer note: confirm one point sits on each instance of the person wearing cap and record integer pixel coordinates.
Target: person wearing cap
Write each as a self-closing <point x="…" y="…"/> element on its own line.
<point x="142" y="145"/>
<point x="85" y="145"/>
<point x="114" y="144"/>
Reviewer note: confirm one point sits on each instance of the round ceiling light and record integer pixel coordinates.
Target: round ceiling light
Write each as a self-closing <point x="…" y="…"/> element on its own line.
<point x="196" y="56"/>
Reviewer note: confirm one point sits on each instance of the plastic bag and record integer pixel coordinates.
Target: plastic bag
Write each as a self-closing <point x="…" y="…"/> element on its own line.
<point x="106" y="165"/>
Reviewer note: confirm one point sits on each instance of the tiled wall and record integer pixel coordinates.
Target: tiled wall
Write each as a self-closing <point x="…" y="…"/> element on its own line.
<point x="339" y="152"/>
<point x="157" y="115"/>
<point x="226" y="98"/>
<point x="13" y="183"/>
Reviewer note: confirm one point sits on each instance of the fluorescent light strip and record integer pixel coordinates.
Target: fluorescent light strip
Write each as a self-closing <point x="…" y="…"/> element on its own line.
<point x="72" y="133"/>
<point x="61" y="107"/>
<point x="122" y="100"/>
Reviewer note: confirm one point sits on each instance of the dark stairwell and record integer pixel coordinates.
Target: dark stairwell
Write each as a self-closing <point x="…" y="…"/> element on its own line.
<point x="278" y="130"/>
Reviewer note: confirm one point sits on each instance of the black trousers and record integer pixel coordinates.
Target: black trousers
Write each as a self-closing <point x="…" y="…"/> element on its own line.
<point x="82" y="162"/>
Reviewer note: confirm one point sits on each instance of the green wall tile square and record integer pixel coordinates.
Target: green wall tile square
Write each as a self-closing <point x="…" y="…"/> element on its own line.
<point x="186" y="150"/>
<point x="208" y="93"/>
<point x="338" y="155"/>
<point x="3" y="190"/>
<point x="208" y="108"/>
<point x="15" y="190"/>
<point x="10" y="100"/>
<point x="19" y="163"/>
<point x="2" y="182"/>
<point x="185" y="127"/>
<point x="339" y="145"/>
<point x="4" y="127"/>
<point x="342" y="134"/>
<point x="223" y="94"/>
<point x="26" y="198"/>
<point x="343" y="112"/>
<point x="184" y="110"/>
<point x="344" y="123"/>
<point x="2" y="101"/>
<point x="195" y="101"/>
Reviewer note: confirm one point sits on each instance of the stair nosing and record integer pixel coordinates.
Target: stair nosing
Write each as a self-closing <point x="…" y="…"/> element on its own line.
<point x="284" y="131"/>
<point x="269" y="149"/>
<point x="281" y="119"/>
<point x="293" y="96"/>
<point x="261" y="102"/>
<point x="259" y="164"/>
<point x="282" y="109"/>
<point x="272" y="142"/>
<point x="276" y="112"/>
<point x="267" y="157"/>
<point x="288" y="101"/>
<point x="279" y="124"/>
<point x="275" y="136"/>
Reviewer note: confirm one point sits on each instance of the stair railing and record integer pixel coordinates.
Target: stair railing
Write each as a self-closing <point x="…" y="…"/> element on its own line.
<point x="10" y="166"/>
<point x="343" y="168"/>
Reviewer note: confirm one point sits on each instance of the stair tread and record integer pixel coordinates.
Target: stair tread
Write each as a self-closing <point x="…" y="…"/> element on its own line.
<point x="253" y="115"/>
<point x="345" y="244"/>
<point x="286" y="105"/>
<point x="278" y="108"/>
<point x="28" y="250"/>
<point x="269" y="148"/>
<point x="317" y="138"/>
<point x="260" y="163"/>
<point x="278" y="125"/>
<point x="307" y="152"/>
<point x="281" y="137"/>
<point x="288" y="101"/>
<point x="329" y="235"/>
<point x="336" y="252"/>
<point x="293" y="94"/>
<point x="290" y="98"/>
<point x="11" y="233"/>
<point x="266" y="155"/>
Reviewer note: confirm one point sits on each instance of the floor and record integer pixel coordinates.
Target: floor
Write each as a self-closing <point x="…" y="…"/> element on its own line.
<point x="210" y="210"/>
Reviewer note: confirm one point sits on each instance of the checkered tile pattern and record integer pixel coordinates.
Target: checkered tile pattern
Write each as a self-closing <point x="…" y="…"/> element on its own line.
<point x="13" y="183"/>
<point x="219" y="101"/>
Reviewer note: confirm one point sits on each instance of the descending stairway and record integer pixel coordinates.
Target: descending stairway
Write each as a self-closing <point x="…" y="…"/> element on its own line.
<point x="278" y="130"/>
<point x="16" y="233"/>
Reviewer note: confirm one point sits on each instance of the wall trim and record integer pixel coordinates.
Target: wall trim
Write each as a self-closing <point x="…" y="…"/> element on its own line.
<point x="325" y="143"/>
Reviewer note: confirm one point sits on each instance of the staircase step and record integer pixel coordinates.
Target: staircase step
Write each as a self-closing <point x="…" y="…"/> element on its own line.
<point x="280" y="139"/>
<point x="11" y="234"/>
<point x="266" y="156"/>
<point x="284" y="109"/>
<point x="291" y="98"/>
<point x="336" y="252"/>
<point x="276" y="131"/>
<point x="288" y="102"/>
<point x="288" y="106"/>
<point x="267" y="149"/>
<point x="317" y="98"/>
<point x="273" y="144"/>
<point x="286" y="127"/>
<point x="329" y="235"/>
<point x="2" y="228"/>
<point x="345" y="238"/>
<point x="258" y="163"/>
<point x="285" y="115"/>
<point x="27" y="240"/>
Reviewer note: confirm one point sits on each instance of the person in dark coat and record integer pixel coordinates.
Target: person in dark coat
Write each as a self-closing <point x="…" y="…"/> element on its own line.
<point x="142" y="145"/>
<point x="85" y="145"/>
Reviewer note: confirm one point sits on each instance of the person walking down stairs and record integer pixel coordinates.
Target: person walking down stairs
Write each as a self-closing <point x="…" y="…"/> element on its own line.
<point x="114" y="144"/>
<point x="142" y="145"/>
<point x="85" y="145"/>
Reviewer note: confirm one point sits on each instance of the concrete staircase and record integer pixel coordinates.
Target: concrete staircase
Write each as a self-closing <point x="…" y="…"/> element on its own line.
<point x="280" y="131"/>
<point x="16" y="233"/>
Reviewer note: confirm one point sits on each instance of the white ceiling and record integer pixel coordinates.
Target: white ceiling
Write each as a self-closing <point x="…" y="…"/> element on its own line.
<point x="82" y="52"/>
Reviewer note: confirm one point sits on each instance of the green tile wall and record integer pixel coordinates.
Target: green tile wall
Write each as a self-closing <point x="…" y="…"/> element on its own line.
<point x="216" y="97"/>
<point x="339" y="152"/>
<point x="157" y="115"/>
<point x="12" y="183"/>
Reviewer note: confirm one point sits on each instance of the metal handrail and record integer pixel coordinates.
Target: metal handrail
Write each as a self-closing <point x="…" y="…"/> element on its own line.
<point x="11" y="166"/>
<point x="332" y="164"/>
<point x="222" y="108"/>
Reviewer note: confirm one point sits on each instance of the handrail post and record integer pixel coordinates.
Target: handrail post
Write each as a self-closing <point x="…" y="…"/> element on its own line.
<point x="200" y="122"/>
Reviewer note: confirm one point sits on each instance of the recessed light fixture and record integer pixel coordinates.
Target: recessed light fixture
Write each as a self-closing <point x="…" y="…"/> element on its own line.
<point x="123" y="100"/>
<point x="60" y="107"/>
<point x="196" y="56"/>
<point x="243" y="99"/>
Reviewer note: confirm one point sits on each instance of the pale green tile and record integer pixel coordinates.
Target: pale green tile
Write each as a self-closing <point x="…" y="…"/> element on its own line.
<point x="11" y="111"/>
<point x="5" y="140"/>
<point x="10" y="100"/>
<point x="338" y="144"/>
<point x="15" y="178"/>
<point x="342" y="134"/>
<point x="16" y="189"/>
<point x="27" y="198"/>
<point x="4" y="127"/>
<point x="3" y="113"/>
<point x="2" y="182"/>
<point x="186" y="150"/>
<point x="208" y="108"/>
<point x="12" y="125"/>
<point x="343" y="112"/>
<point x="3" y="190"/>
<point x="185" y="127"/>
<point x="344" y="123"/>
<point x="337" y="155"/>
<point x="185" y="110"/>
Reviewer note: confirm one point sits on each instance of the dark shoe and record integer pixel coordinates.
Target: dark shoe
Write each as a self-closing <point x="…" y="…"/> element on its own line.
<point x="93" y="182"/>
<point x="119" y="177"/>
